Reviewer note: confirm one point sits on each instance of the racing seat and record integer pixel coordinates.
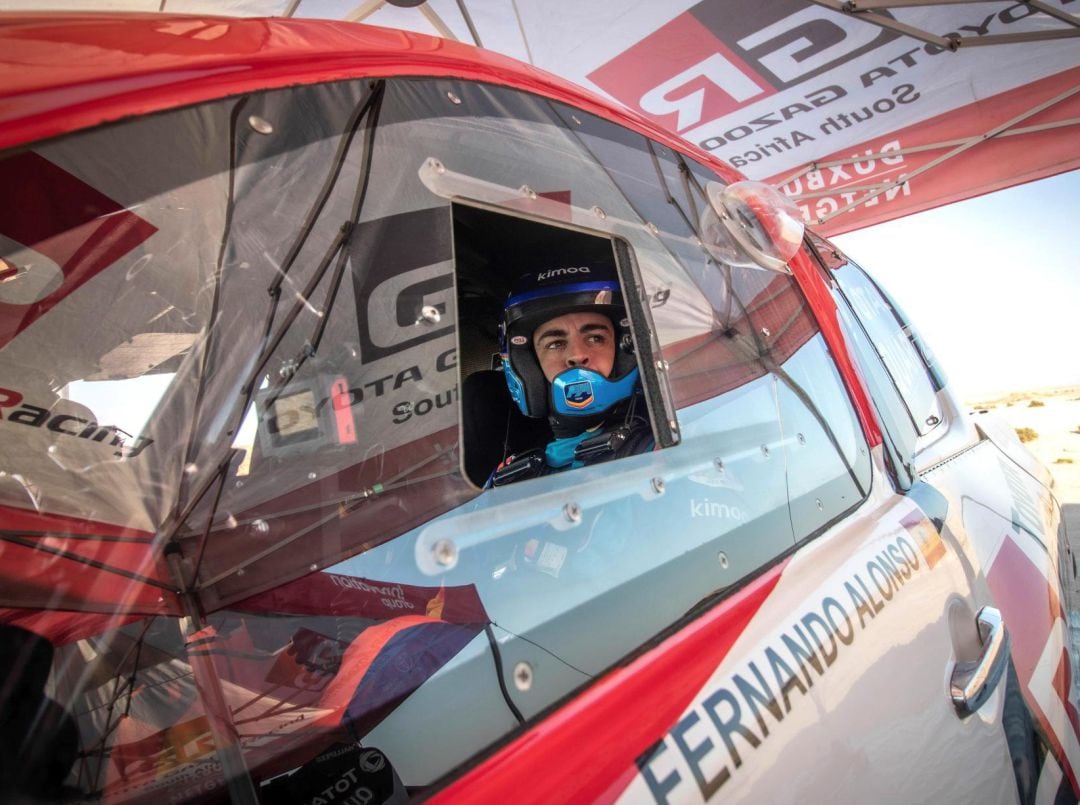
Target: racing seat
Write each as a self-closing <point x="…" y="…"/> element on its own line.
<point x="492" y="425"/>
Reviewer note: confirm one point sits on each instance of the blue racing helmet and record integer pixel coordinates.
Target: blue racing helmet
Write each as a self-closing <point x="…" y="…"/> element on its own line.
<point x="577" y="394"/>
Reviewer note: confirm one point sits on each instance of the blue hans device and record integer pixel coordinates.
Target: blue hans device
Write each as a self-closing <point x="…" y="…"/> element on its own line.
<point x="578" y="391"/>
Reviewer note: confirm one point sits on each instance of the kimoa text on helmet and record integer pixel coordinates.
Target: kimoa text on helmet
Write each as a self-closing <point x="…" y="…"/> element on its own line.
<point x="555" y="272"/>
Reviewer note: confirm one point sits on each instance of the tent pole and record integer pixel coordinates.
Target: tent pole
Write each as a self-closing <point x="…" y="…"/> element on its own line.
<point x="199" y="647"/>
<point x="969" y="143"/>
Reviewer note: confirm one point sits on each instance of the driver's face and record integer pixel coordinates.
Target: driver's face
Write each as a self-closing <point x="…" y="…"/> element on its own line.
<point x="575" y="339"/>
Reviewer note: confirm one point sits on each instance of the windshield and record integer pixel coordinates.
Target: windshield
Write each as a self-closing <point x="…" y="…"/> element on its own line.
<point x="230" y="390"/>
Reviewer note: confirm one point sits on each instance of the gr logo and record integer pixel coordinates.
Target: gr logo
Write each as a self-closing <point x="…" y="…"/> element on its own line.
<point x="402" y="264"/>
<point x="723" y="55"/>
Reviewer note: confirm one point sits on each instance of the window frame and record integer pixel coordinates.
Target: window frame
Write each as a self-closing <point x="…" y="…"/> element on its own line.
<point x="935" y="383"/>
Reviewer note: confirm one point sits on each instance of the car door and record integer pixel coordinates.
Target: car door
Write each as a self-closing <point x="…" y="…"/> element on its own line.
<point x="1001" y="507"/>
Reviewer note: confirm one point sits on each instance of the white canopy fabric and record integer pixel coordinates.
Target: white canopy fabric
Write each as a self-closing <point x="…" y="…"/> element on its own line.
<point x="862" y="111"/>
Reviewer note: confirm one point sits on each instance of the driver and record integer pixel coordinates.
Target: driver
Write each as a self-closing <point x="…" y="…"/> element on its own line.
<point x="567" y="355"/>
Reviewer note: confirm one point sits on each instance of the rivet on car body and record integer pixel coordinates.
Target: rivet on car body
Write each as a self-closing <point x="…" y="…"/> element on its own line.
<point x="436" y="166"/>
<point x="528" y="192"/>
<point x="572" y="512"/>
<point x="429" y="314"/>
<point x="719" y="464"/>
<point x="658" y="485"/>
<point x="765" y="450"/>
<point x="453" y="98"/>
<point x="800" y="438"/>
<point x="723" y="560"/>
<point x="523" y="676"/>
<point x="446" y="553"/>
<point x="599" y="213"/>
<point x="820" y="505"/>
<point x="765" y="332"/>
<point x="260" y="125"/>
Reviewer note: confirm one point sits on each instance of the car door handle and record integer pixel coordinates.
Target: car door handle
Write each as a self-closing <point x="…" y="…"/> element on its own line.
<point x="974" y="680"/>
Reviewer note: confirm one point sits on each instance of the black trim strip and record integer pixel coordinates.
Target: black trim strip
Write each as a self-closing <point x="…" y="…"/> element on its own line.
<point x="17" y="532"/>
<point x="496" y="655"/>
<point x="662" y="418"/>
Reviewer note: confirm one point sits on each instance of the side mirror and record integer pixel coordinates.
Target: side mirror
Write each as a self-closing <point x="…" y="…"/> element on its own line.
<point x="751" y="224"/>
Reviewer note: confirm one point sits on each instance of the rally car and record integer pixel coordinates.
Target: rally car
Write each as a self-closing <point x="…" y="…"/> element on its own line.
<point x="252" y="391"/>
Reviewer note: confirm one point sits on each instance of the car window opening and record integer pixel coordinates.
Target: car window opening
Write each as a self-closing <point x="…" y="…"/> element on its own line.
<point x="549" y="376"/>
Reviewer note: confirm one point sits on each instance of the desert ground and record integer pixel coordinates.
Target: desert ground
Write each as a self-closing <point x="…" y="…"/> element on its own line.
<point x="1048" y="422"/>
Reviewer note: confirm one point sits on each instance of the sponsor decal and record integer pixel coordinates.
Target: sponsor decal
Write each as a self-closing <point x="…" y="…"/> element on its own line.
<point x="682" y="74"/>
<point x="724" y="55"/>
<point x="406" y="410"/>
<point x="65" y="227"/>
<point x="547" y="557"/>
<point x="927" y="537"/>
<point x="730" y="720"/>
<point x="354" y="596"/>
<point x="578" y="394"/>
<point x="1040" y="640"/>
<point x="715" y="509"/>
<point x="1023" y="584"/>
<point x="559" y="272"/>
<point x="391" y="596"/>
<point x="345" y="774"/>
<point x="757" y="83"/>
<point x="36" y="416"/>
<point x="401" y="264"/>
<point x="340" y="399"/>
<point x="345" y="398"/>
<point x="1025" y="513"/>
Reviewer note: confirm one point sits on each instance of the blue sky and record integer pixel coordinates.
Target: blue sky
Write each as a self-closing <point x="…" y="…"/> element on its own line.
<point x="992" y="283"/>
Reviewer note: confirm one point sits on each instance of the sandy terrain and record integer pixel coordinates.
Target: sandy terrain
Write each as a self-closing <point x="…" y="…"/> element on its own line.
<point x="1053" y="417"/>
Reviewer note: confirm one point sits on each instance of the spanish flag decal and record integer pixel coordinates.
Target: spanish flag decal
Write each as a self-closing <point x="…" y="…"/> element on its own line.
<point x="926" y="526"/>
<point x="927" y="538"/>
